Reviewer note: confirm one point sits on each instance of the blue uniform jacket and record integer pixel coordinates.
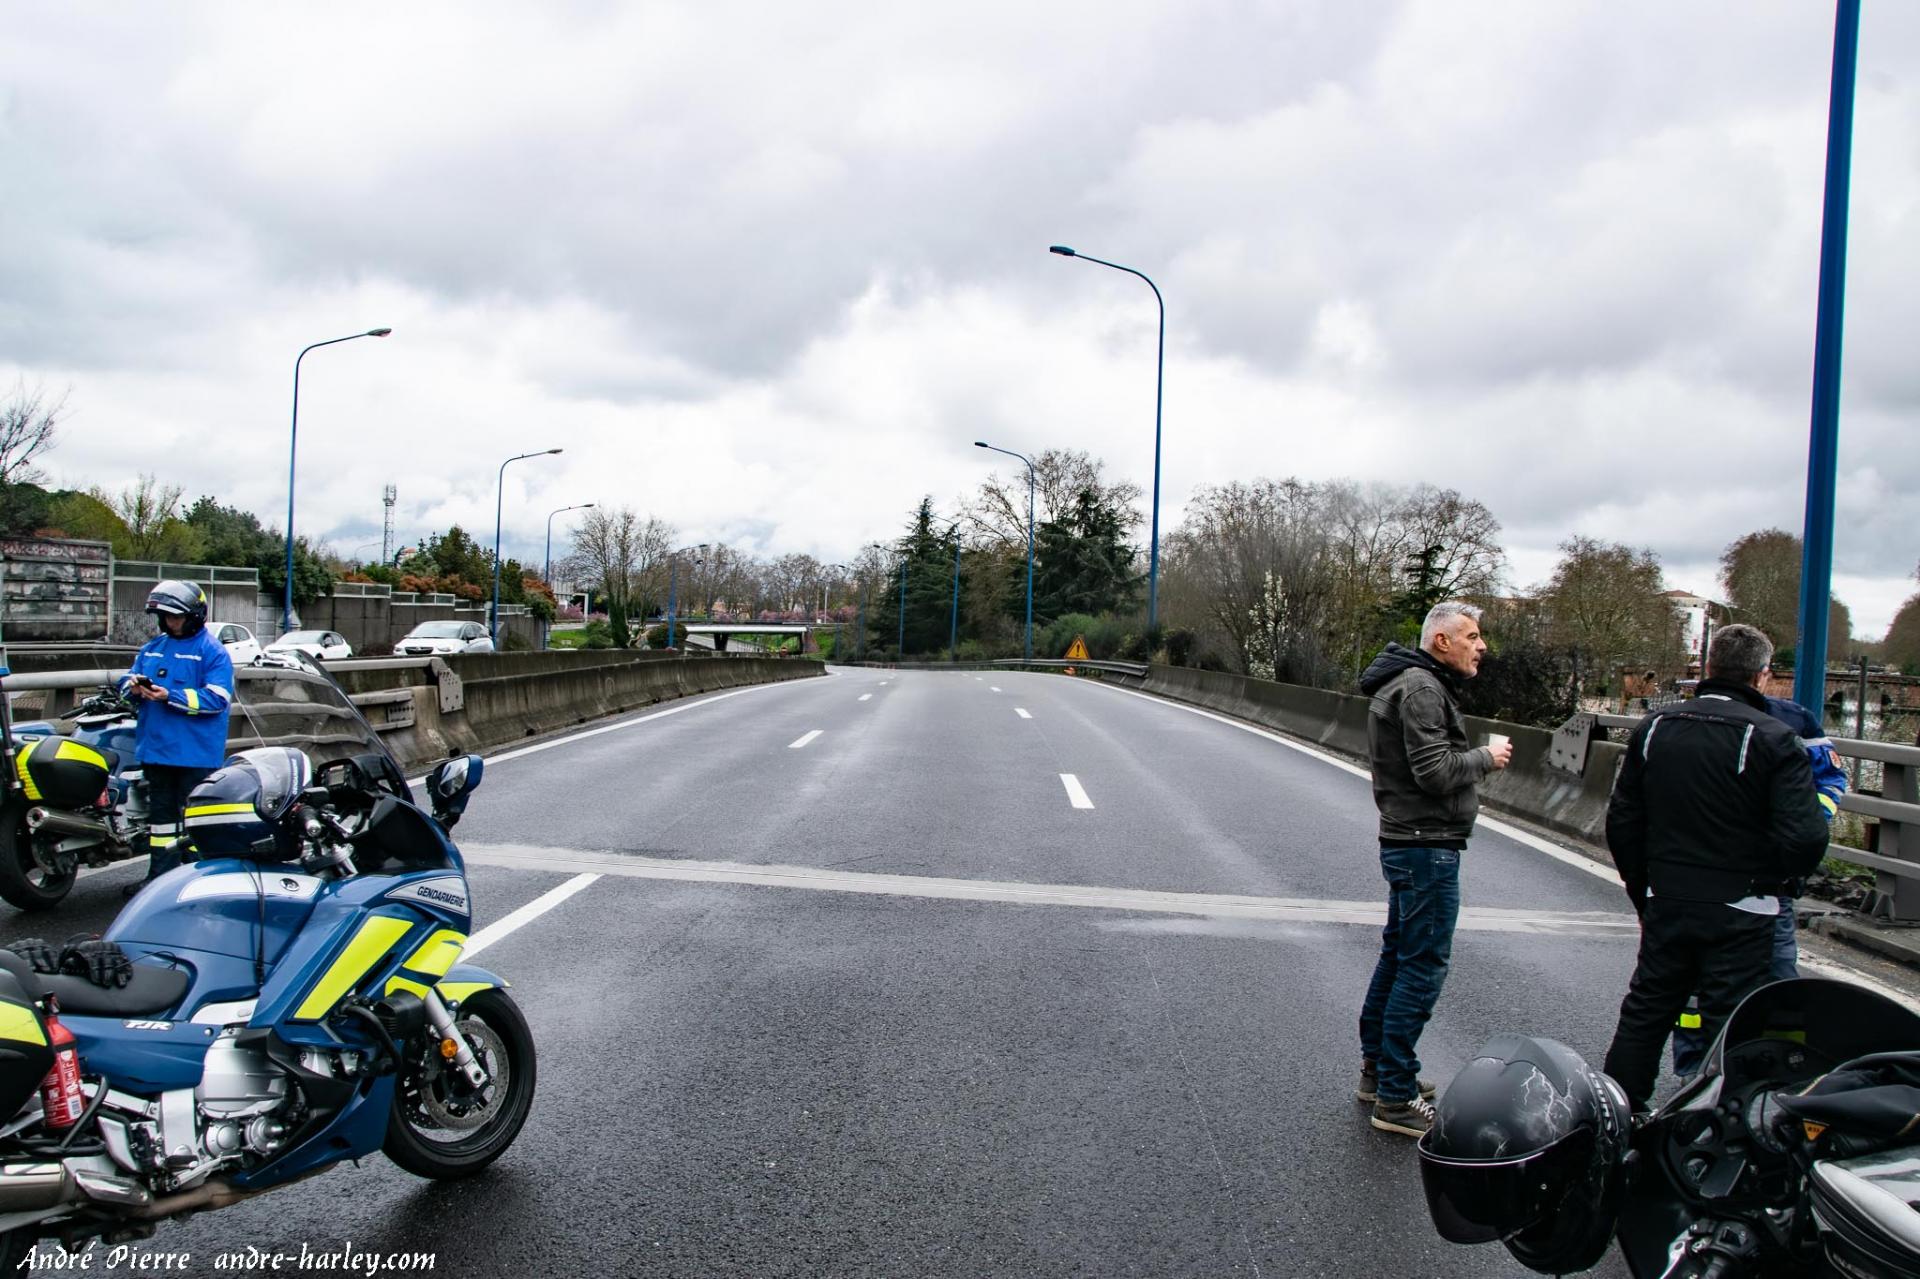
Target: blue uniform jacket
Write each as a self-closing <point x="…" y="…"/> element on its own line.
<point x="1829" y="779"/>
<point x="189" y="729"/>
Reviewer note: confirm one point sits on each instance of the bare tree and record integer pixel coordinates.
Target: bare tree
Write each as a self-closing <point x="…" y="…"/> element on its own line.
<point x="28" y="418"/>
<point x="1605" y="602"/>
<point x="617" y="548"/>
<point x="999" y="512"/>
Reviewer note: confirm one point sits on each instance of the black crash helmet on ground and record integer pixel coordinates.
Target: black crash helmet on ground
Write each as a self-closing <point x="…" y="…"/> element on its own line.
<point x="237" y="810"/>
<point x="1528" y="1147"/>
<point x="181" y="597"/>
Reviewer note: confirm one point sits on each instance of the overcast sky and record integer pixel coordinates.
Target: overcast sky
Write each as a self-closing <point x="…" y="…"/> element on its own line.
<point x="767" y="270"/>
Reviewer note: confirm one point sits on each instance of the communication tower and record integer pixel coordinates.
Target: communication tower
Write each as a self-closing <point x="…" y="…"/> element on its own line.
<point x="388" y="496"/>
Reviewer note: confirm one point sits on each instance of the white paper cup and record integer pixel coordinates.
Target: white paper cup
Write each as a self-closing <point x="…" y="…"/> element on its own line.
<point x="1499" y="739"/>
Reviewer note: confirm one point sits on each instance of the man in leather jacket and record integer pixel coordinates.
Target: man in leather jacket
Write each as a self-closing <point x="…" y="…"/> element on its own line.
<point x="1714" y="813"/>
<point x="1424" y="776"/>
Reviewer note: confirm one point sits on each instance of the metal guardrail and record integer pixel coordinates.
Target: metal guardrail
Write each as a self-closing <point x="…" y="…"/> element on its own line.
<point x="1896" y="865"/>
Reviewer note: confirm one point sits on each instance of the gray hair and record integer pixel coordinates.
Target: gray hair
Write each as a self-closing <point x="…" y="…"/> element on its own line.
<point x="1739" y="653"/>
<point x="1441" y="615"/>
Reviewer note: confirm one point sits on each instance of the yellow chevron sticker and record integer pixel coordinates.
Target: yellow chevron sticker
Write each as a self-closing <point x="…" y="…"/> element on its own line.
<point x="85" y="754"/>
<point x="437" y="953"/>
<point x="457" y="992"/>
<point x="18" y="1023"/>
<point x="375" y="938"/>
<point x="21" y="760"/>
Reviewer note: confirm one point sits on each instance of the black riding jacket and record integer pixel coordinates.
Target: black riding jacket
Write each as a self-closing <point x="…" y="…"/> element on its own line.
<point x="1715" y="801"/>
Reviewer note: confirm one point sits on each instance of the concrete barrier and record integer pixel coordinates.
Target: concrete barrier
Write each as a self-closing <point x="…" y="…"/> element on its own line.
<point x="1527" y="788"/>
<point x="481" y="701"/>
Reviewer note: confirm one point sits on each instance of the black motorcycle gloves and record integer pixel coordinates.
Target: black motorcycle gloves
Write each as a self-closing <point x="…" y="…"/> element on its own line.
<point x="38" y="952"/>
<point x="100" y="962"/>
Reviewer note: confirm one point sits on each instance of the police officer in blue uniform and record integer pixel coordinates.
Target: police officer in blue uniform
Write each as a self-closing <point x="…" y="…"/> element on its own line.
<point x="181" y="683"/>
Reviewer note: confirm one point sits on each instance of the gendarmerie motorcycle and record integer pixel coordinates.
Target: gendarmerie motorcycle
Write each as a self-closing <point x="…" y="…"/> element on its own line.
<point x="70" y="796"/>
<point x="291" y="999"/>
<point x="1794" y="1152"/>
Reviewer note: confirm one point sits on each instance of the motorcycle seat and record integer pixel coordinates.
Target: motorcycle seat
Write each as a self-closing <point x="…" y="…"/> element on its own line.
<point x="152" y="990"/>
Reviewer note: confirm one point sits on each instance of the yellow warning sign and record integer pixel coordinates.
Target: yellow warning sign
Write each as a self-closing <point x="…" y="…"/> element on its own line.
<point x="1077" y="651"/>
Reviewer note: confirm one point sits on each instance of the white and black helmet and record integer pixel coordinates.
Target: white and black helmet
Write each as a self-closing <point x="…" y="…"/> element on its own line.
<point x="183" y="599"/>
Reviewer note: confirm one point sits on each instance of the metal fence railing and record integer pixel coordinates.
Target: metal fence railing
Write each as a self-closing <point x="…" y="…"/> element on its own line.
<point x="1893" y="813"/>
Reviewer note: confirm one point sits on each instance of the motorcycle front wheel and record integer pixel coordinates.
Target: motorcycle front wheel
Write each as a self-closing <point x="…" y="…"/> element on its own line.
<point x="443" y="1129"/>
<point x="24" y="882"/>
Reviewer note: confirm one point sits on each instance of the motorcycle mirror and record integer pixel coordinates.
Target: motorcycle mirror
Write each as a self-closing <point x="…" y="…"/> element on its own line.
<point x="454" y="778"/>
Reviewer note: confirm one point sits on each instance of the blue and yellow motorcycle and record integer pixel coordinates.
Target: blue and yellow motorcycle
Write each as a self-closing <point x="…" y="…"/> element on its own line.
<point x="291" y="999"/>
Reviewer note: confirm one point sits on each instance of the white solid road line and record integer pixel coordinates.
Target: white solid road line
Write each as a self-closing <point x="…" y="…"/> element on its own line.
<point x="526" y="914"/>
<point x="1215" y="905"/>
<point x="1075" y="791"/>
<point x="1021" y="711"/>
<point x="804" y="739"/>
<point x="865" y="696"/>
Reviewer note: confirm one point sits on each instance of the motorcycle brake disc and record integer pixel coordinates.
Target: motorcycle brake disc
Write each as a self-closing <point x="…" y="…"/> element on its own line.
<point x="443" y="1094"/>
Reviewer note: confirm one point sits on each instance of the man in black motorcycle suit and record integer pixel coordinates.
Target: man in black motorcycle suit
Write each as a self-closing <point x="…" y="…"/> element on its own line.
<point x="181" y="683"/>
<point x="1714" y="815"/>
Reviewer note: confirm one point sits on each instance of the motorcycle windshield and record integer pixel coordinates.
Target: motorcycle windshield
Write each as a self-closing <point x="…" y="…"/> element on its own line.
<point x="1836" y="1019"/>
<point x="300" y="707"/>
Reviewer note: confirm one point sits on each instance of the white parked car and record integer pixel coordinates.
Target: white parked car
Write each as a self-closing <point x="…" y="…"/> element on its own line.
<point x="328" y="646"/>
<point x="240" y="644"/>
<point x="431" y="638"/>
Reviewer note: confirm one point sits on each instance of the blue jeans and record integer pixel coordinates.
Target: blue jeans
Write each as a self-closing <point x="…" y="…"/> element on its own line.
<point x="1423" y="901"/>
<point x="1689" y="1045"/>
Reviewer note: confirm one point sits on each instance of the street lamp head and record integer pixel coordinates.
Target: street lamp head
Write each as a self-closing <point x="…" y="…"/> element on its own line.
<point x="1061" y="249"/>
<point x="588" y="506"/>
<point x="378" y="333"/>
<point x="556" y="450"/>
<point x="981" y="444"/>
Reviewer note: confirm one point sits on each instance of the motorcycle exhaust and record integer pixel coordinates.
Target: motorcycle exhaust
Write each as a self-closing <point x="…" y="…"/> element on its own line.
<point x="30" y="1187"/>
<point x="59" y="823"/>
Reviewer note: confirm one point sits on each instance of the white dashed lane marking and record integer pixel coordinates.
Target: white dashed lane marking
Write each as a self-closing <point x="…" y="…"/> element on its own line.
<point x="804" y="739"/>
<point x="865" y="696"/>
<point x="1021" y="711"/>
<point x="1075" y="791"/>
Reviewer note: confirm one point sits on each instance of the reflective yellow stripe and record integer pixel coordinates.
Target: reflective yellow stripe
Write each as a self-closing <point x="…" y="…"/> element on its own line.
<point x="1689" y="1021"/>
<point x="1826" y="802"/>
<point x="455" y="992"/>
<point x="18" y="1023"/>
<point x="401" y="983"/>
<point x="193" y="700"/>
<point x="214" y="810"/>
<point x="375" y="938"/>
<point x="437" y="953"/>
<point x="20" y="759"/>
<point x="85" y="754"/>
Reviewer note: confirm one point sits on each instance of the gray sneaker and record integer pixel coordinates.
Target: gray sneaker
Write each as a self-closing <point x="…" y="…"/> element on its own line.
<point x="1369" y="1089"/>
<point x="1412" y="1118"/>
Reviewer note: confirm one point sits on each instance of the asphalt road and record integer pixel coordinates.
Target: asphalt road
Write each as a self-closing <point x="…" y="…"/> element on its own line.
<point x="859" y="984"/>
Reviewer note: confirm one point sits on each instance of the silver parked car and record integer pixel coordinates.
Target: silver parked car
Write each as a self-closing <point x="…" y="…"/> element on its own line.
<point x="430" y="638"/>
<point x="328" y="646"/>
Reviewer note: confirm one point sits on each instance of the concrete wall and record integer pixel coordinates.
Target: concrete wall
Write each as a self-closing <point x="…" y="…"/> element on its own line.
<point x="1526" y="788"/>
<point x="507" y="697"/>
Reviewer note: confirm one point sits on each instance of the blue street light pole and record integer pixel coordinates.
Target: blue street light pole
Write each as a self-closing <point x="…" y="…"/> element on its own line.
<point x="293" y="452"/>
<point x="499" y="498"/>
<point x="673" y="585"/>
<point x="900" y="652"/>
<point x="953" y="636"/>
<point x="1159" y="387"/>
<point x="547" y="572"/>
<point x="982" y="444"/>
<point x="1816" y="542"/>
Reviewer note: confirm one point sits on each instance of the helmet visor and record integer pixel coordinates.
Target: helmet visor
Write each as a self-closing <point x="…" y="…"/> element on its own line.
<point x="1481" y="1200"/>
<point x="284" y="773"/>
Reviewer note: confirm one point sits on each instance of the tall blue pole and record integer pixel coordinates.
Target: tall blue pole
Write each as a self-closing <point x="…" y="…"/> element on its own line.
<point x="499" y="496"/>
<point x="1159" y="388"/>
<point x="982" y="444"/>
<point x="1816" y="565"/>
<point x="293" y="453"/>
<point x="953" y="638"/>
<point x="901" y="651"/>
<point x="673" y="582"/>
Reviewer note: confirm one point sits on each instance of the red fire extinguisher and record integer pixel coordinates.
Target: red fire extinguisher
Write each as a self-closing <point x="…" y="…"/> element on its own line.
<point x="60" y="1094"/>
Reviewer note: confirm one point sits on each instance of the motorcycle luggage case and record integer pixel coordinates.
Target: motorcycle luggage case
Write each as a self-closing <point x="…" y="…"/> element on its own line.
<point x="66" y="774"/>
<point x="1864" y="1207"/>
<point x="25" y="1056"/>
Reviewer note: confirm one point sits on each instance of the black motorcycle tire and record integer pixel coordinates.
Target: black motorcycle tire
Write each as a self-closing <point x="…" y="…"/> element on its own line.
<point x="410" y="1142"/>
<point x="22" y="881"/>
